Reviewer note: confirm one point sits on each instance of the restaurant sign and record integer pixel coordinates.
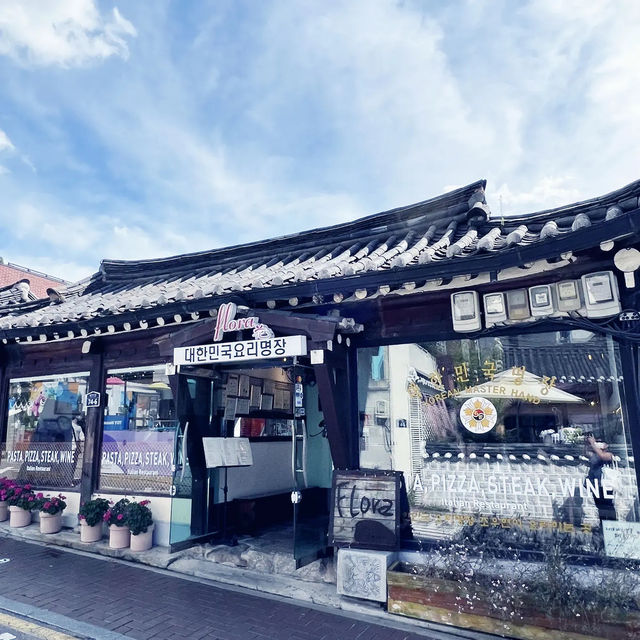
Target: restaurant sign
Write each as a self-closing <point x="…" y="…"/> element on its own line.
<point x="286" y="346"/>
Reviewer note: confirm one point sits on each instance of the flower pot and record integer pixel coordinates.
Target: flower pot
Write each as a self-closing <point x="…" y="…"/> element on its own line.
<point x="119" y="537"/>
<point x="19" y="517"/>
<point x="50" y="523"/>
<point x="142" y="541"/>
<point x="90" y="533"/>
<point x="4" y="510"/>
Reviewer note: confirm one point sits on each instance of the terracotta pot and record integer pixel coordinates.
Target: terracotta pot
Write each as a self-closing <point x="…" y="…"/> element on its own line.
<point x="119" y="537"/>
<point x="90" y="533"/>
<point x="4" y="510"/>
<point x="19" y="517"/>
<point x="142" y="541"/>
<point x="50" y="523"/>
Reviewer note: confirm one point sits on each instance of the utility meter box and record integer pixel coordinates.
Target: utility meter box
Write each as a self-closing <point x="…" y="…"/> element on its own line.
<point x="601" y="297"/>
<point x="465" y="311"/>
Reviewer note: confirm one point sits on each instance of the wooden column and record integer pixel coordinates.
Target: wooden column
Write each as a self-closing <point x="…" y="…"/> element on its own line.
<point x="337" y="389"/>
<point x="4" y="398"/>
<point x="631" y="405"/>
<point x="93" y="431"/>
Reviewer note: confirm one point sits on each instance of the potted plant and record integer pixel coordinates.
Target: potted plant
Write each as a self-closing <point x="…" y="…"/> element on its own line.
<point x="21" y="501"/>
<point x="51" y="508"/>
<point x="91" y="515"/>
<point x="5" y="486"/>
<point x="140" y="521"/>
<point x="116" y="518"/>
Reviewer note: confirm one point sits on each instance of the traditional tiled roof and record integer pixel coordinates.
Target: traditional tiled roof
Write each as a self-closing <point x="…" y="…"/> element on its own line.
<point x="442" y="237"/>
<point x="11" y="274"/>
<point x="16" y="293"/>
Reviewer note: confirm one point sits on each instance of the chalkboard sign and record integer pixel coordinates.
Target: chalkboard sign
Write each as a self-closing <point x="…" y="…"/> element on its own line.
<point x="366" y="509"/>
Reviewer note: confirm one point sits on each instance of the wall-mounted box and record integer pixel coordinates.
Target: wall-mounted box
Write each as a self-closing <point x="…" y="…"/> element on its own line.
<point x="518" y="304"/>
<point x="541" y="300"/>
<point x="495" y="308"/>
<point x="569" y="295"/>
<point x="601" y="297"/>
<point x="465" y="311"/>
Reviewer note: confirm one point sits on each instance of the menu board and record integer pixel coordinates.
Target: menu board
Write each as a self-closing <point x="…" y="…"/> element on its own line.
<point x="227" y="452"/>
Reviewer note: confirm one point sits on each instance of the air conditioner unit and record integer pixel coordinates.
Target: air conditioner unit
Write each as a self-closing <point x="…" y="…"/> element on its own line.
<point x="382" y="409"/>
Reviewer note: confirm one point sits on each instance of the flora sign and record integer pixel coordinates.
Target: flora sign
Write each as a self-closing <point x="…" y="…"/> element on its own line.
<point x="227" y="321"/>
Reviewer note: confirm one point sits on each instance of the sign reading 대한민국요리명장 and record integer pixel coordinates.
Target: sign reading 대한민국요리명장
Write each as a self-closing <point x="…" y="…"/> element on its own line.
<point x="264" y="344"/>
<point x="286" y="346"/>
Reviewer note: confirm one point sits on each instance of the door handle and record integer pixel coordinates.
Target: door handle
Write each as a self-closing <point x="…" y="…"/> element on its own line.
<point x="184" y="450"/>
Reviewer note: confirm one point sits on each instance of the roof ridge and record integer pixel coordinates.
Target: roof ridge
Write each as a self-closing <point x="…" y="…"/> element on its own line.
<point x="115" y="268"/>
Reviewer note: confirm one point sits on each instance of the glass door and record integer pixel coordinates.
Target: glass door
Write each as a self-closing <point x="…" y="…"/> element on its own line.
<point x="312" y="470"/>
<point x="191" y="492"/>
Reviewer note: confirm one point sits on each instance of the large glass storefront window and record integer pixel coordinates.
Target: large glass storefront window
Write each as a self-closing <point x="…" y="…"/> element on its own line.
<point x="138" y="443"/>
<point x="512" y="448"/>
<point x="518" y="434"/>
<point x="45" y="430"/>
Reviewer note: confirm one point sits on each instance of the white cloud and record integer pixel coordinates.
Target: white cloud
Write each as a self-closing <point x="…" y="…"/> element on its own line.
<point x="314" y="113"/>
<point x="546" y="193"/>
<point x="69" y="33"/>
<point x="5" y="143"/>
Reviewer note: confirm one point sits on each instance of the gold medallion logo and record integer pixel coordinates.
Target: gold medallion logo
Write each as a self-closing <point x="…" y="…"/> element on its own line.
<point x="478" y="415"/>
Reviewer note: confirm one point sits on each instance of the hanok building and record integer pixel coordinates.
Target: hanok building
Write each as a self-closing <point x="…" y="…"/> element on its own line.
<point x="475" y="354"/>
<point x="21" y="284"/>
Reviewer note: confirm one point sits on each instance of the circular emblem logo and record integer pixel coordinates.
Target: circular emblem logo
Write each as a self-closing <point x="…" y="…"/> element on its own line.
<point x="478" y="415"/>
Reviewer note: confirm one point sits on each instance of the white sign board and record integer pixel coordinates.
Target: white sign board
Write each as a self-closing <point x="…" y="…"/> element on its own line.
<point x="621" y="539"/>
<point x="242" y="350"/>
<point x="227" y="452"/>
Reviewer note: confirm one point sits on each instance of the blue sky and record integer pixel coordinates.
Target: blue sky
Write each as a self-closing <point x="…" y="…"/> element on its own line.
<point x="147" y="128"/>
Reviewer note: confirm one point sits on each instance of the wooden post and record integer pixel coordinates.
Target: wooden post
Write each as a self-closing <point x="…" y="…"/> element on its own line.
<point x="336" y="384"/>
<point x="4" y="398"/>
<point x="631" y="406"/>
<point x="93" y="435"/>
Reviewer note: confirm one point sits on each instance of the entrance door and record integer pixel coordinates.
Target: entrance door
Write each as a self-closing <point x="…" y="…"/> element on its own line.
<point x="191" y="517"/>
<point x="312" y="470"/>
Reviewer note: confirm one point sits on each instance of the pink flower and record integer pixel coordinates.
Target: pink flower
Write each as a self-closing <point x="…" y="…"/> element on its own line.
<point x="120" y="516"/>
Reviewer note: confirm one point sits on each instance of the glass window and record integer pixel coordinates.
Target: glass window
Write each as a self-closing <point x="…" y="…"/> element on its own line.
<point x="510" y="440"/>
<point x="45" y="430"/>
<point x="257" y="403"/>
<point x="139" y="431"/>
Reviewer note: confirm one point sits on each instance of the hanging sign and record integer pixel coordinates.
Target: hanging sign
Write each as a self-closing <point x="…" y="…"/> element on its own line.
<point x="242" y="350"/>
<point x="227" y="321"/>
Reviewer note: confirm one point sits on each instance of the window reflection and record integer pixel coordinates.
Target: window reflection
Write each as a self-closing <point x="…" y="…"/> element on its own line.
<point x="515" y="435"/>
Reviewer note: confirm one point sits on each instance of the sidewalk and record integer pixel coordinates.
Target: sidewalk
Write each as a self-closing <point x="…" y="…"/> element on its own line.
<point x="143" y="603"/>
